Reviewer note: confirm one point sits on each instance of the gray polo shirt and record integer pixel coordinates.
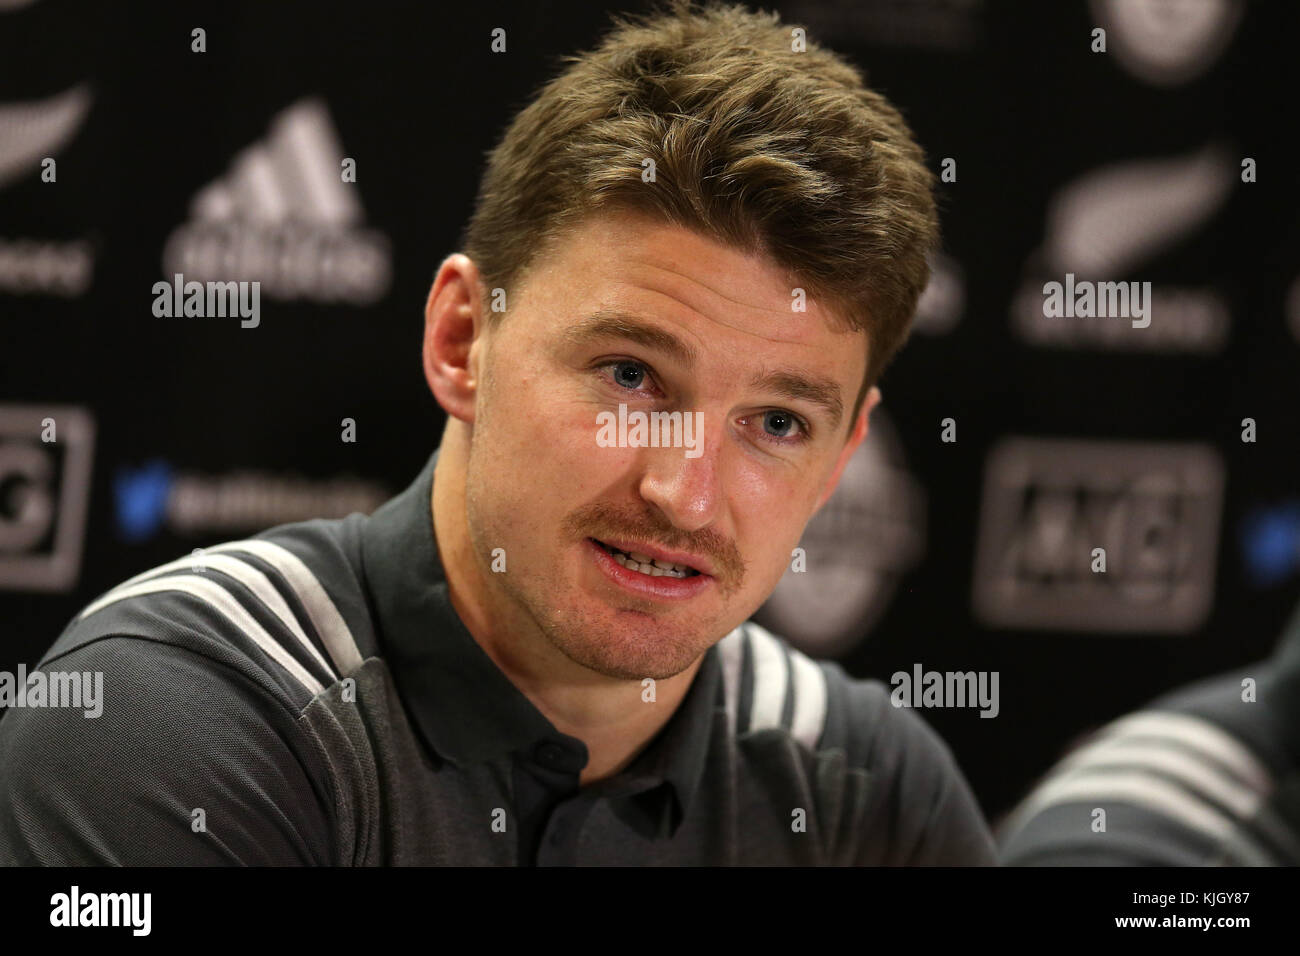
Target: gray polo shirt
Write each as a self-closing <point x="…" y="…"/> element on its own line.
<point x="1205" y="775"/>
<point x="309" y="696"/>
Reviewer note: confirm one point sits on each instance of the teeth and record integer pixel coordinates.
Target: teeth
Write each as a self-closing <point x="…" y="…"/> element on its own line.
<point x="645" y="564"/>
<point x="649" y="567"/>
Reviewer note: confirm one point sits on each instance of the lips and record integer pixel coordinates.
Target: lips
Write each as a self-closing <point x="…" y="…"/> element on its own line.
<point x="631" y="579"/>
<point x="695" y="564"/>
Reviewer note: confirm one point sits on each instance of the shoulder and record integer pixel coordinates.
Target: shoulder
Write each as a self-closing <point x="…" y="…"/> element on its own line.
<point x="1189" y="780"/>
<point x="198" y="673"/>
<point x="284" y="609"/>
<point x="213" y="767"/>
<point x="855" y="742"/>
<point x="771" y="684"/>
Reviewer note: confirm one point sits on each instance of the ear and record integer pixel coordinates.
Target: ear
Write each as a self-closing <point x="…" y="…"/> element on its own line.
<point x="453" y="324"/>
<point x="850" y="445"/>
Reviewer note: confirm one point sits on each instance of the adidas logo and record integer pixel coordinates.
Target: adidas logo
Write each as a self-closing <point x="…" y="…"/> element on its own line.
<point x="283" y="216"/>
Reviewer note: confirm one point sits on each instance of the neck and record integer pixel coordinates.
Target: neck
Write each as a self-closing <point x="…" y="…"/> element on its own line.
<point x="607" y="714"/>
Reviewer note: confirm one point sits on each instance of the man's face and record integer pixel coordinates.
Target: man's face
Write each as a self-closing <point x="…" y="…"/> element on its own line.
<point x="541" y="486"/>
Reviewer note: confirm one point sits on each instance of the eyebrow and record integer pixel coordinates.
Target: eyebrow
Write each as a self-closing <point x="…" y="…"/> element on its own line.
<point x="788" y="383"/>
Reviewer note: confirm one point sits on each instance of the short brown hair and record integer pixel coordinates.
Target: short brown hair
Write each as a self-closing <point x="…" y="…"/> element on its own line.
<point x="758" y="147"/>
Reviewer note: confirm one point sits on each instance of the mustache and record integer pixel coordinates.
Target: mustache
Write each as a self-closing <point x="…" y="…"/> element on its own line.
<point x="607" y="521"/>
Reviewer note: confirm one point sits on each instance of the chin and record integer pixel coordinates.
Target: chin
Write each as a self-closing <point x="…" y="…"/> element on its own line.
<point x="628" y="652"/>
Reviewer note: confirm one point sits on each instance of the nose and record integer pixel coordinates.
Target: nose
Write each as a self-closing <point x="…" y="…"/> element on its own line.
<point x="688" y="490"/>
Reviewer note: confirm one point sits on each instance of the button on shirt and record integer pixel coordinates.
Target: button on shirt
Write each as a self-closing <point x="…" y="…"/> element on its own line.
<point x="312" y="690"/>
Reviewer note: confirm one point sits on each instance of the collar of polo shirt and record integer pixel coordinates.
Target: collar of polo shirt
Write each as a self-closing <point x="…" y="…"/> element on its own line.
<point x="464" y="708"/>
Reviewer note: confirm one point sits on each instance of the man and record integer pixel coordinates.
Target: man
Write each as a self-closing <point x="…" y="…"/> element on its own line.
<point x="539" y="653"/>
<point x="1205" y="775"/>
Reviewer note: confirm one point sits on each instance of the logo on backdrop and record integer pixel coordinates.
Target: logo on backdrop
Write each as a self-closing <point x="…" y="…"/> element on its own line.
<point x="283" y="216"/>
<point x="1167" y="42"/>
<point x="1098" y="536"/>
<point x="1113" y="221"/>
<point x="943" y="302"/>
<point x="153" y="498"/>
<point x="1270" y="543"/>
<point x="46" y="458"/>
<point x="865" y="538"/>
<point x="30" y="133"/>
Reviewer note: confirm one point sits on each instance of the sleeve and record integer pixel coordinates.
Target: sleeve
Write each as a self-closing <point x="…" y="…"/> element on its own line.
<point x="188" y="763"/>
<point x="921" y="808"/>
<point x="1196" y="778"/>
<point x="1064" y="835"/>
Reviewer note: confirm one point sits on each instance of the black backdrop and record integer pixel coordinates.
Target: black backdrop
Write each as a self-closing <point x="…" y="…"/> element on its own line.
<point x="176" y="433"/>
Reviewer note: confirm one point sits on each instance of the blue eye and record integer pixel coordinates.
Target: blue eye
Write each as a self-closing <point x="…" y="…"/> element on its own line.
<point x="630" y="375"/>
<point x="779" y="423"/>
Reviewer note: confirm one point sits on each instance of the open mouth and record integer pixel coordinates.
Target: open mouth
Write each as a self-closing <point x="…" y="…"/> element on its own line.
<point x="644" y="564"/>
